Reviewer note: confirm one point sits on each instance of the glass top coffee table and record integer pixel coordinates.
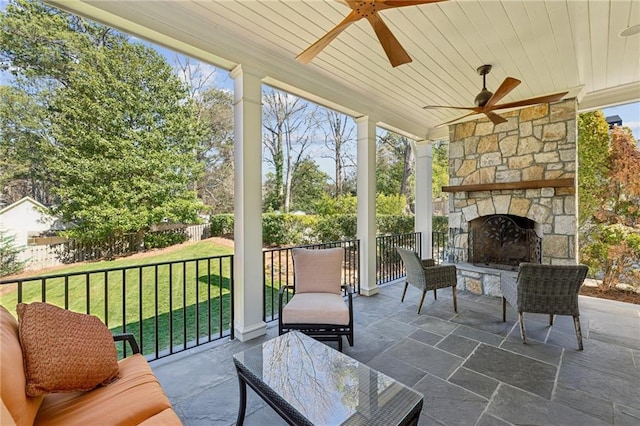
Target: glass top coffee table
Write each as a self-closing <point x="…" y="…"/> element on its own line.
<point x="309" y="383"/>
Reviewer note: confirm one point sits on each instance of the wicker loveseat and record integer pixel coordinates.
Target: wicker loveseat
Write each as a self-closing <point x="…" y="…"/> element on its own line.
<point x="135" y="397"/>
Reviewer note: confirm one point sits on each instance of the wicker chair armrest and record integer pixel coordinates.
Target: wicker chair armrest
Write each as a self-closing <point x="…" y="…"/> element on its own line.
<point x="428" y="263"/>
<point x="129" y="338"/>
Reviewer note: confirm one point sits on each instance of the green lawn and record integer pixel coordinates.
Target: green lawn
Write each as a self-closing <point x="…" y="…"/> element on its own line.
<point x="183" y="298"/>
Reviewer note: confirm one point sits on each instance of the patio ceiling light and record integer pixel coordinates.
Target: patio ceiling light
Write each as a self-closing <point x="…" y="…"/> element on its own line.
<point x="629" y="31"/>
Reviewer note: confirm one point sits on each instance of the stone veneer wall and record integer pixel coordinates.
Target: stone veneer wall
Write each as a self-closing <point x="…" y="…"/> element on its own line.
<point x="537" y="142"/>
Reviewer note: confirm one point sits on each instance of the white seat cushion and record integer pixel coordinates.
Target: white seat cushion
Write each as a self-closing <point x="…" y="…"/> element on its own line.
<point x="316" y="308"/>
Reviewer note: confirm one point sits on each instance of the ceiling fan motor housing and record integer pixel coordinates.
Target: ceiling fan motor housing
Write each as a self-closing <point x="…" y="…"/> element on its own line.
<point x="483" y="97"/>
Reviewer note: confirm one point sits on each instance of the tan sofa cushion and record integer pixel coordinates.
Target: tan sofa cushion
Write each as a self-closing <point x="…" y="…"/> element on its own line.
<point x="23" y="408"/>
<point x="136" y="396"/>
<point x="167" y="417"/>
<point x="318" y="271"/>
<point x="316" y="308"/>
<point x="64" y="351"/>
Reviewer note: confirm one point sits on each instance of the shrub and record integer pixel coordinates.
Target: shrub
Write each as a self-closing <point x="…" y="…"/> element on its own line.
<point x="221" y="225"/>
<point x="440" y="224"/>
<point x="164" y="239"/>
<point x="9" y="263"/>
<point x="394" y="224"/>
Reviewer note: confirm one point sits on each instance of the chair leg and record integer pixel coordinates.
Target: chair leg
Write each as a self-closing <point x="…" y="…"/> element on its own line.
<point x="406" y="284"/>
<point x="576" y="323"/>
<point x="435" y="294"/>
<point x="550" y="320"/>
<point x="339" y="343"/>
<point x="522" y="332"/>
<point x="455" y="298"/>
<point x="424" y="292"/>
<point x="504" y="309"/>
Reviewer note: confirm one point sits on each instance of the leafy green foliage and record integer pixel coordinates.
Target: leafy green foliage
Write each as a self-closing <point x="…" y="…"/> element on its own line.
<point x="593" y="155"/>
<point x="122" y="132"/>
<point x="164" y="239"/>
<point x="395" y="224"/>
<point x="222" y="225"/>
<point x="440" y="172"/>
<point x="327" y="205"/>
<point x="9" y="263"/>
<point x="390" y="204"/>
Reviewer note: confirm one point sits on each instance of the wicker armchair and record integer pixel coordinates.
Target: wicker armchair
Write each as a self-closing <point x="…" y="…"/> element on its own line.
<point x="545" y="289"/>
<point x="424" y="275"/>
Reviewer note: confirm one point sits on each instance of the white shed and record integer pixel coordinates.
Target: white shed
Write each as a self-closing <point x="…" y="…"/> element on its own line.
<point x="24" y="218"/>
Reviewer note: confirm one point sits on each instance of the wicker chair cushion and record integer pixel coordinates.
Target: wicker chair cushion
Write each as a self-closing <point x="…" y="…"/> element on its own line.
<point x="316" y="308"/>
<point x="318" y="271"/>
<point x="64" y="351"/>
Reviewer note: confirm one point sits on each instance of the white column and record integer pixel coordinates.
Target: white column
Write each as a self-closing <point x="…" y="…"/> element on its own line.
<point x="424" y="194"/>
<point x="247" y="262"/>
<point x="366" y="128"/>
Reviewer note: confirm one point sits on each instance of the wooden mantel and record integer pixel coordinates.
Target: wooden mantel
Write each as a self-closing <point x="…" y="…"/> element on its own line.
<point x="529" y="184"/>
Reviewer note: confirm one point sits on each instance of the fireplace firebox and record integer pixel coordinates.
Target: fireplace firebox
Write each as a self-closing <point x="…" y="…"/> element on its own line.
<point x="503" y="241"/>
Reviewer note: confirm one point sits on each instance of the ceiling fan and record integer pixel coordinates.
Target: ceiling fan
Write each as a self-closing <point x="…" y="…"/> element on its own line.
<point x="487" y="102"/>
<point x="367" y="9"/>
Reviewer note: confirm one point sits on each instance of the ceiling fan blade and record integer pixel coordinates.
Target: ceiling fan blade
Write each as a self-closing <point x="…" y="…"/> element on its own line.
<point x="507" y="86"/>
<point x="495" y="118"/>
<point x="392" y="47"/>
<point x="476" y="109"/>
<point x="310" y="52"/>
<point x="456" y="119"/>
<point x="532" y="101"/>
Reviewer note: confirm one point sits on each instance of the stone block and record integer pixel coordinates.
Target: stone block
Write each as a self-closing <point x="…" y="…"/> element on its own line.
<point x="547" y="192"/>
<point x="464" y="130"/>
<point x="502" y="203"/>
<point x="491" y="285"/>
<point x="567" y="154"/>
<point x="533" y="173"/>
<point x="519" y="206"/>
<point x="570" y="205"/>
<point x="553" y="174"/>
<point x="472" y="179"/>
<point x="467" y="167"/>
<point x="455" y="219"/>
<point x="456" y="149"/>
<point x="550" y="146"/>
<point x="556" y="166"/>
<point x="526" y="128"/>
<point x="508" y="176"/>
<point x="529" y="145"/>
<point x="488" y="175"/>
<point x="511" y="124"/>
<point x="565" y="225"/>
<point x="554" y="132"/>
<point x="488" y="143"/>
<point x="508" y="145"/>
<point x="546" y="157"/>
<point x="471" y="146"/>
<point x="490" y="159"/>
<point x="473" y="285"/>
<point x="484" y="128"/>
<point x="532" y="193"/>
<point x="485" y="207"/>
<point x="537" y="131"/>
<point x="572" y="131"/>
<point x="555" y="246"/>
<point x="534" y="112"/>
<point x="520" y="162"/>
<point x="564" y="110"/>
<point x="539" y="213"/>
<point x="470" y="212"/>
<point x="558" y="206"/>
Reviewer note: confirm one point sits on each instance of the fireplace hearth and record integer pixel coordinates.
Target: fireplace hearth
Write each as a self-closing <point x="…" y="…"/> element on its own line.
<point x="503" y="241"/>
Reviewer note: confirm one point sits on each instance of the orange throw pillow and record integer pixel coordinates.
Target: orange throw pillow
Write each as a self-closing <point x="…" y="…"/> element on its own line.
<point x="64" y="351"/>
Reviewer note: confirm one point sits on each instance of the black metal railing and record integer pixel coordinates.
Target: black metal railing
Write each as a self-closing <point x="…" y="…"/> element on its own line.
<point x="278" y="271"/>
<point x="439" y="244"/>
<point x="168" y="306"/>
<point x="389" y="266"/>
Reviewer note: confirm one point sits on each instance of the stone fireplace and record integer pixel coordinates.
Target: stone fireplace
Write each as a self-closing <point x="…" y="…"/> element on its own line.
<point x="512" y="194"/>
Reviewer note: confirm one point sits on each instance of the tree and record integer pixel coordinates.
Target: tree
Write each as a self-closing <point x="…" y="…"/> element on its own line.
<point x="613" y="239"/>
<point x="338" y="138"/>
<point x="289" y="123"/>
<point x="309" y="184"/>
<point x="394" y="169"/>
<point x="593" y="157"/>
<point x="9" y="263"/>
<point x="440" y="171"/>
<point x="123" y="132"/>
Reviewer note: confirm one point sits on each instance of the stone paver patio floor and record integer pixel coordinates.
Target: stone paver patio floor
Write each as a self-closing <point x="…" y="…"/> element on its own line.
<point x="471" y="367"/>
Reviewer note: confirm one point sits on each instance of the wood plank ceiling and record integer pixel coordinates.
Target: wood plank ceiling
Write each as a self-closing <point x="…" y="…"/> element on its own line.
<point x="552" y="46"/>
